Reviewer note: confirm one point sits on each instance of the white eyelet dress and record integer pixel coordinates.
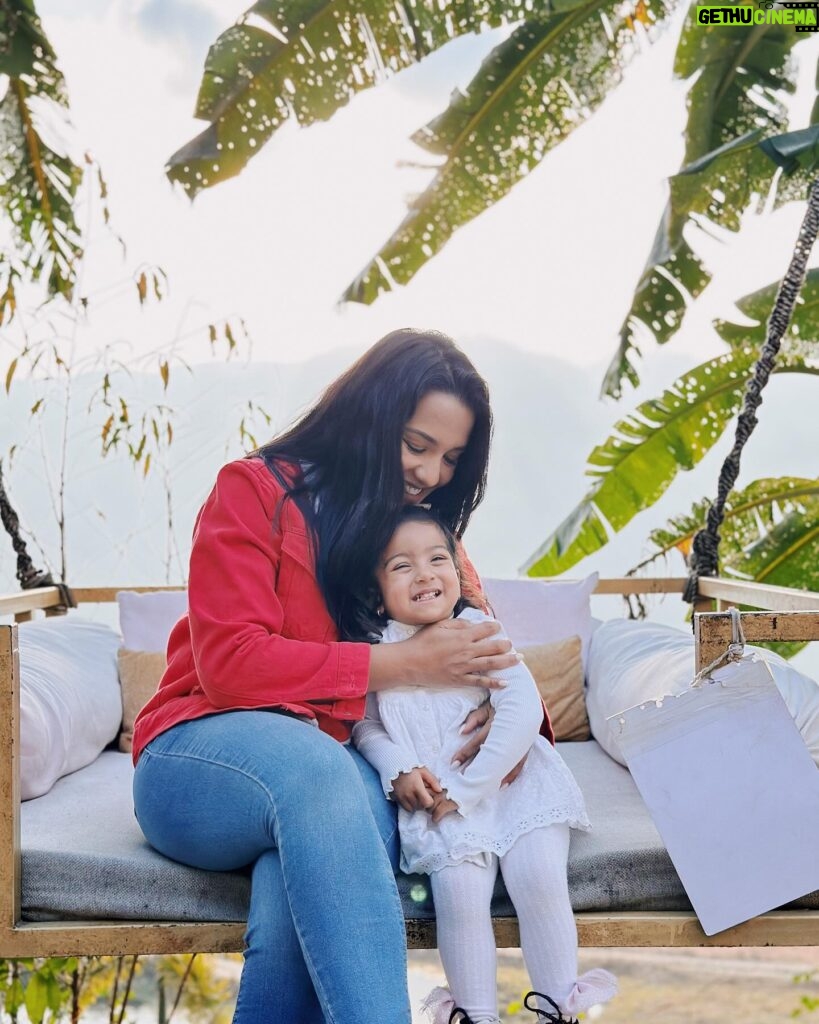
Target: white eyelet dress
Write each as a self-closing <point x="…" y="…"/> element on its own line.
<point x="408" y="727"/>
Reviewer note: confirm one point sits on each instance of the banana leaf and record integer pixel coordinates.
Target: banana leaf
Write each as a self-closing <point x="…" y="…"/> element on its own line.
<point x="306" y="59"/>
<point x="750" y="514"/>
<point x="804" y="328"/>
<point x="647" y="449"/>
<point x="40" y="179"/>
<point x="734" y="148"/>
<point x="529" y="94"/>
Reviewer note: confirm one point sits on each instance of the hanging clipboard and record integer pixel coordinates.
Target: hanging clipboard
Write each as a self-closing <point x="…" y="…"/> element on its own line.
<point x="732" y="790"/>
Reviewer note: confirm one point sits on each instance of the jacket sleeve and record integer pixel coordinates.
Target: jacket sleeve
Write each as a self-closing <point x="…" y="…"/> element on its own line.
<point x="236" y="616"/>
<point x="388" y="758"/>
<point x="515" y="727"/>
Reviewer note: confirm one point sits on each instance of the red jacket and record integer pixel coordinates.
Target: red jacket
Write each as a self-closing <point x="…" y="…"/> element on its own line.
<point x="257" y="633"/>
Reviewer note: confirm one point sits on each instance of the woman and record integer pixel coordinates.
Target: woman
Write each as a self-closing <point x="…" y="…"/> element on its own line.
<point x="230" y="767"/>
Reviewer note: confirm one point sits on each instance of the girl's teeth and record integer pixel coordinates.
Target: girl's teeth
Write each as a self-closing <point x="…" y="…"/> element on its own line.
<point x="412" y="490"/>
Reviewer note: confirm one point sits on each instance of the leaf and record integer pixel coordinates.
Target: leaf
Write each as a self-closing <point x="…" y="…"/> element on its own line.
<point x="10" y="374"/>
<point x="750" y="514"/>
<point x="147" y="465"/>
<point x="804" y="327"/>
<point x="305" y="60"/>
<point x="735" y="101"/>
<point x="142" y="288"/>
<point x="35" y="998"/>
<point x="164" y="373"/>
<point x="646" y="450"/>
<point x="40" y="177"/>
<point x="36" y="407"/>
<point x="530" y="94"/>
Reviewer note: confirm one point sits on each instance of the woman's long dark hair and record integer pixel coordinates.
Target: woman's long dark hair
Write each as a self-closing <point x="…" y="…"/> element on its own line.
<point x="341" y="462"/>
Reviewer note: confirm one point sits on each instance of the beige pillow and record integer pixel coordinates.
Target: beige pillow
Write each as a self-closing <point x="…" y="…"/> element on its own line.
<point x="139" y="675"/>
<point x="558" y="671"/>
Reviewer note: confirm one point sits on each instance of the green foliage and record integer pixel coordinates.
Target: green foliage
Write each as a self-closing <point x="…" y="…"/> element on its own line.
<point x="529" y="95"/>
<point x="733" y="153"/>
<point x="39" y="172"/>
<point x="647" y="449"/>
<point x="307" y="58"/>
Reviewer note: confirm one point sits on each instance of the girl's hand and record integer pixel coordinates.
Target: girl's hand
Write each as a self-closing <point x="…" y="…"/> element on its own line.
<point x="442" y="806"/>
<point x="477" y="725"/>
<point x="416" y="790"/>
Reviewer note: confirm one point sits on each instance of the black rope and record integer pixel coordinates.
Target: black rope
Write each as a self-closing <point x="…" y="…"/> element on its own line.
<point x="704" y="557"/>
<point x="28" y="577"/>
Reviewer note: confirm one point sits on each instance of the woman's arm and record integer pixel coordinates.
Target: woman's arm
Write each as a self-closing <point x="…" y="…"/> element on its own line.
<point x="515" y="726"/>
<point x="236" y="613"/>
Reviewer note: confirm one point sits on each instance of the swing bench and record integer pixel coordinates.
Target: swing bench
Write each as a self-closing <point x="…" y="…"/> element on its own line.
<point x="77" y="877"/>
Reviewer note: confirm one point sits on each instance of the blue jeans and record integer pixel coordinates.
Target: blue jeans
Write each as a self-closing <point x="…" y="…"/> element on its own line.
<point x="325" y="935"/>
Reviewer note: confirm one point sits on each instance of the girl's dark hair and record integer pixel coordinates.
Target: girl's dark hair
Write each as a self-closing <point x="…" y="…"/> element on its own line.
<point x="341" y="462"/>
<point x="367" y="616"/>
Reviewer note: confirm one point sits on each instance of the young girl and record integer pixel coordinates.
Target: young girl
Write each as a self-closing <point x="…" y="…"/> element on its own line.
<point x="456" y="823"/>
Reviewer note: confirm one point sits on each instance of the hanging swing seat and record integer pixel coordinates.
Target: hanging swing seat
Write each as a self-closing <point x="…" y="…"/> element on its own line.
<point x="76" y="876"/>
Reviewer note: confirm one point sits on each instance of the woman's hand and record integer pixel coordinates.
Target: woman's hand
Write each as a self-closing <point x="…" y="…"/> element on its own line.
<point x="453" y="652"/>
<point x="416" y="790"/>
<point x="477" y="725"/>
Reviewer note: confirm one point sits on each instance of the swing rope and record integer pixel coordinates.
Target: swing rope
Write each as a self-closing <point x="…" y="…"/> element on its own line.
<point x="704" y="557"/>
<point x="28" y="576"/>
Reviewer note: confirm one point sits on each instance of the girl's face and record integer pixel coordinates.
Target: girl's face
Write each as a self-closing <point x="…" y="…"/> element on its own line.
<point x="416" y="575"/>
<point x="433" y="441"/>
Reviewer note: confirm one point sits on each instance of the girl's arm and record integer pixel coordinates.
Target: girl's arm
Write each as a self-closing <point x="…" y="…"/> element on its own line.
<point x="390" y="759"/>
<point x="515" y="726"/>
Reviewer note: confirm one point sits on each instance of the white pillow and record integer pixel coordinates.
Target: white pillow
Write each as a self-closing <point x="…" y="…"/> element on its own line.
<point x="146" y="620"/>
<point x="70" y="704"/>
<point x="632" y="662"/>
<point x="539" y="612"/>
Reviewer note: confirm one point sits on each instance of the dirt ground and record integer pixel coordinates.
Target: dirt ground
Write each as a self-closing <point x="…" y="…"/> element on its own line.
<point x="669" y="986"/>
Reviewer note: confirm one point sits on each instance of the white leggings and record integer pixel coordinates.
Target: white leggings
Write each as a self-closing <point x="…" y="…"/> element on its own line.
<point x="534" y="871"/>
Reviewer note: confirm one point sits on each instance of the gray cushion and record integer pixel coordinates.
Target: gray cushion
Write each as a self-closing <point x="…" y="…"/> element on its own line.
<point x="84" y="855"/>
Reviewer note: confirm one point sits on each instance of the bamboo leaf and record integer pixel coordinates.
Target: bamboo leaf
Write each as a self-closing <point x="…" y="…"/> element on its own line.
<point x="36" y="407"/>
<point x="142" y="288"/>
<point x="529" y="95"/>
<point x="164" y="373"/>
<point x="647" y="449"/>
<point x="10" y="374"/>
<point x="733" y="152"/>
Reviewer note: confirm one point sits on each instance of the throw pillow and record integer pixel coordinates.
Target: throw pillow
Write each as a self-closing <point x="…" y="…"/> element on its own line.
<point x="139" y="675"/>
<point x="146" y="620"/>
<point x="542" y="611"/>
<point x="70" y="705"/>
<point x="557" y="669"/>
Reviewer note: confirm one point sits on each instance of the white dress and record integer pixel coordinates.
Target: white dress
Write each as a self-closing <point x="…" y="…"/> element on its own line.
<point x="410" y="727"/>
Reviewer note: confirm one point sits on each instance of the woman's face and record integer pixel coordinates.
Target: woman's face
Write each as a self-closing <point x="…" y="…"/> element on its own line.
<point x="434" y="439"/>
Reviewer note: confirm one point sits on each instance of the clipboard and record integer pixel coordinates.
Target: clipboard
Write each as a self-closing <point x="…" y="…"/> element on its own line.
<point x="732" y="789"/>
